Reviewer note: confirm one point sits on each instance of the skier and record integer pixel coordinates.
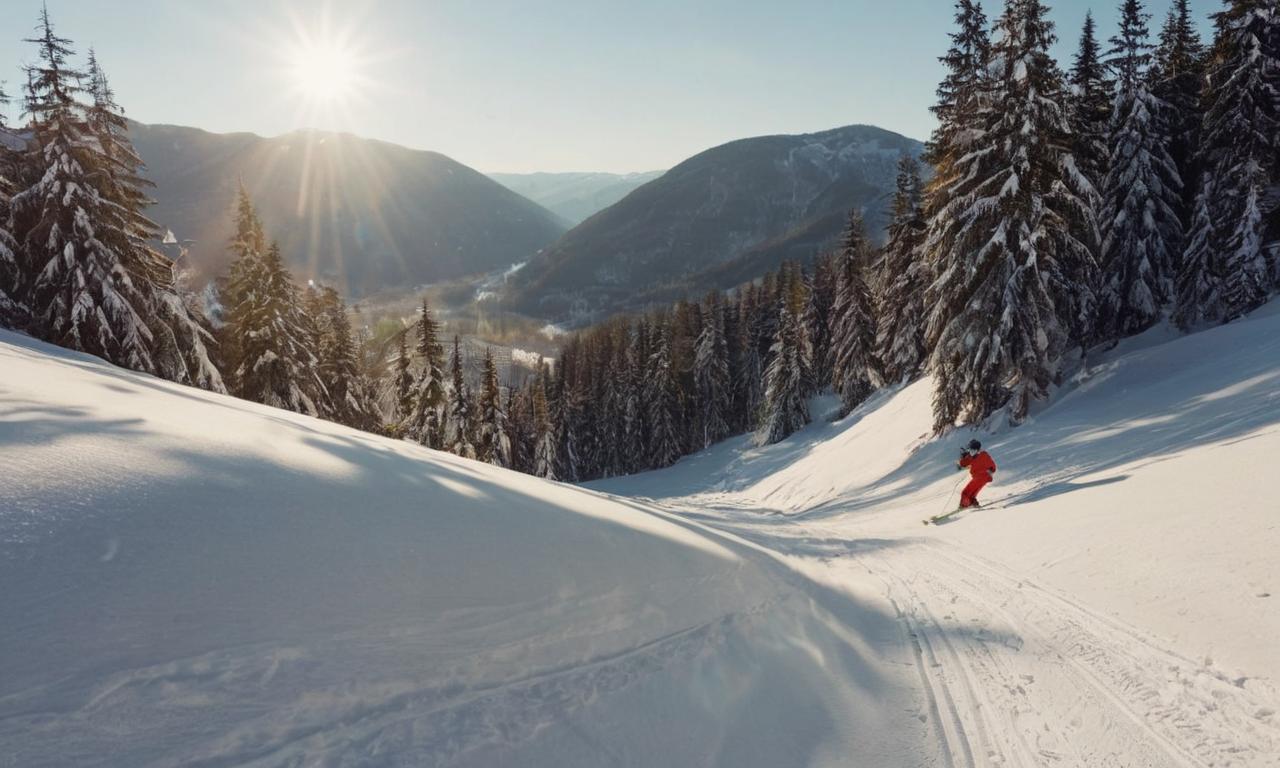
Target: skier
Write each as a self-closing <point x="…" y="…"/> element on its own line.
<point x="980" y="466"/>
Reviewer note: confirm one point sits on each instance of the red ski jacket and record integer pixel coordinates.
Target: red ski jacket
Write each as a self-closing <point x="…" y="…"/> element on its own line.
<point x="980" y="465"/>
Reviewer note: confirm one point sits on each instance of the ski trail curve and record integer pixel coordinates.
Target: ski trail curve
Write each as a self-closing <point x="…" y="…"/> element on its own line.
<point x="1042" y="680"/>
<point x="1013" y="673"/>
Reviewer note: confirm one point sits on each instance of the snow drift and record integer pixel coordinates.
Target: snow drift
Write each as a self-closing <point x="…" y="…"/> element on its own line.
<point x="190" y="579"/>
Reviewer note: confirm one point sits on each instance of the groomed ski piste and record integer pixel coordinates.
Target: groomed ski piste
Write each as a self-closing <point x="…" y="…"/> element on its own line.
<point x="188" y="579"/>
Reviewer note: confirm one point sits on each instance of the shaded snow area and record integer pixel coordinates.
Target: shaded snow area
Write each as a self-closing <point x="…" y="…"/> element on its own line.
<point x="193" y="580"/>
<point x="188" y="579"/>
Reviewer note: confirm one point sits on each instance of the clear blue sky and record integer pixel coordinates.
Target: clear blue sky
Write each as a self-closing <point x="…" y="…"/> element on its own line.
<point x="519" y="85"/>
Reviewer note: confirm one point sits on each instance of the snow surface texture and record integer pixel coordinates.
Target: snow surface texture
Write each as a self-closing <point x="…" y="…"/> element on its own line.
<point x="190" y="579"/>
<point x="194" y="580"/>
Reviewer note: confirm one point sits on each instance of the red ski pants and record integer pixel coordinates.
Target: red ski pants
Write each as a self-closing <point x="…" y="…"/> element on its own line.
<point x="969" y="496"/>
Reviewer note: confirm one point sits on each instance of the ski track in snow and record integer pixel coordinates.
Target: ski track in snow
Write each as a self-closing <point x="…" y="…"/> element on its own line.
<point x="1015" y="674"/>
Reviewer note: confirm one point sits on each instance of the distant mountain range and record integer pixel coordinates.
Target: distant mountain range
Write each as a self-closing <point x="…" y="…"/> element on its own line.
<point x="370" y="216"/>
<point x="574" y="197"/>
<point x="364" y="214"/>
<point x="722" y="217"/>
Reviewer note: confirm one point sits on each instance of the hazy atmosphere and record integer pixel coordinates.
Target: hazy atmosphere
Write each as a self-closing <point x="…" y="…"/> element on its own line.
<point x="513" y="86"/>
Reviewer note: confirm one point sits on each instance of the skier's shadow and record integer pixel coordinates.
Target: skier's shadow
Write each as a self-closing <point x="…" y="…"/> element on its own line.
<point x="1048" y="491"/>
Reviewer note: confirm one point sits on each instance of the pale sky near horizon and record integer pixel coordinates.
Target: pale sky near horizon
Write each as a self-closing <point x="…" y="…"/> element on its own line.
<point x="504" y="85"/>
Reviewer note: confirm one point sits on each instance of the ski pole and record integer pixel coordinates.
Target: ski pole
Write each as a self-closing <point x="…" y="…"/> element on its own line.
<point x="947" y="508"/>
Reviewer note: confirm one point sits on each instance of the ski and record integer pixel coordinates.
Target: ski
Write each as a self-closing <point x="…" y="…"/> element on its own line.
<point x="941" y="518"/>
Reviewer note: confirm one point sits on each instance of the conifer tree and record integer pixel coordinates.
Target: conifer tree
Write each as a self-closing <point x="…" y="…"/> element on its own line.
<point x="1228" y="268"/>
<point x="1013" y="244"/>
<point x="247" y="247"/>
<point x="580" y="453"/>
<point x="634" y="423"/>
<point x="731" y="312"/>
<point x="1091" y="106"/>
<point x="786" y="407"/>
<point x="276" y="366"/>
<point x="83" y="293"/>
<point x="13" y="310"/>
<point x="426" y="425"/>
<point x="339" y="364"/>
<point x="495" y="442"/>
<point x="857" y="371"/>
<point x="404" y="381"/>
<point x="521" y="427"/>
<point x="460" y="423"/>
<point x="610" y="399"/>
<point x="960" y="106"/>
<point x="900" y="313"/>
<point x="1177" y="80"/>
<point x="749" y="386"/>
<point x="180" y="343"/>
<point x="712" y="373"/>
<point x="544" y="450"/>
<point x="1142" y="194"/>
<point x="663" y="404"/>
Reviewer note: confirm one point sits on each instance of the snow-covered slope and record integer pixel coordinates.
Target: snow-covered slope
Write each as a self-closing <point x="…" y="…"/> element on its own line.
<point x="188" y="579"/>
<point x="1117" y="603"/>
<point x="193" y="580"/>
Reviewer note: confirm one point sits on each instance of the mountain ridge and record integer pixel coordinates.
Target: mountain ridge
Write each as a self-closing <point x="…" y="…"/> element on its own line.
<point x="713" y="208"/>
<point x="361" y="213"/>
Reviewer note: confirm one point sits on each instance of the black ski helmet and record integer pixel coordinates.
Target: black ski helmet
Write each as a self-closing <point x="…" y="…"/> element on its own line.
<point x="974" y="445"/>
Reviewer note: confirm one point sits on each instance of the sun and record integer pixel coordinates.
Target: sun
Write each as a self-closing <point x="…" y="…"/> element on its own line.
<point x="324" y="71"/>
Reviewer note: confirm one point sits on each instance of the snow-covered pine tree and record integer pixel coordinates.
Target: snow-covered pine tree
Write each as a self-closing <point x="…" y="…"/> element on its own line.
<point x="1228" y="268"/>
<point x="316" y="333"/>
<point x="339" y="364"/>
<point x="564" y="415"/>
<point x="276" y="366"/>
<point x="610" y="400"/>
<point x="1091" y="107"/>
<point x="731" y="312"/>
<point x="819" y="300"/>
<point x="582" y="413"/>
<point x="749" y="385"/>
<point x="1142" y="194"/>
<point x="683" y="329"/>
<point x="1013" y="266"/>
<point x="1177" y="80"/>
<point x="495" y="442"/>
<point x="634" y="423"/>
<point x="856" y="372"/>
<point x="961" y="113"/>
<point x="960" y="106"/>
<point x="81" y="293"/>
<point x="520" y="427"/>
<point x="13" y="310"/>
<point x="711" y="370"/>
<point x="243" y="278"/>
<point x="900" y="310"/>
<point x="181" y="344"/>
<point x="426" y="424"/>
<point x="403" y="382"/>
<point x="460" y="423"/>
<point x="663" y="403"/>
<point x="786" y="407"/>
<point x="545" y="459"/>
